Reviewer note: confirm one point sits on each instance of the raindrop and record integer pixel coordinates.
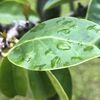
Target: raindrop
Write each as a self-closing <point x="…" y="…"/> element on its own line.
<point x="67" y="22"/>
<point x="39" y="67"/>
<point x="55" y="61"/>
<point x="72" y="25"/>
<point x="64" y="31"/>
<point x="64" y="46"/>
<point x="66" y="63"/>
<point x="28" y="59"/>
<point x="76" y="58"/>
<point x="48" y="51"/>
<point x="88" y="48"/>
<point x="91" y="27"/>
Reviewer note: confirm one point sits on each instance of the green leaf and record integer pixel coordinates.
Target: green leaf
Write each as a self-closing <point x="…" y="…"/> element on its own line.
<point x="15" y="12"/>
<point x="58" y="43"/>
<point x="43" y="89"/>
<point x="93" y="11"/>
<point x="13" y="80"/>
<point x="52" y="3"/>
<point x="40" y="85"/>
<point x="64" y="78"/>
<point x="58" y="87"/>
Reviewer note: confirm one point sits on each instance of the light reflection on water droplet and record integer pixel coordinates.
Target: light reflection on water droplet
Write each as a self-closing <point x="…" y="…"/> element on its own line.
<point x="28" y="59"/>
<point x="64" y="46"/>
<point x="88" y="48"/>
<point x="66" y="63"/>
<point x="39" y="67"/>
<point x="48" y="51"/>
<point x="76" y="58"/>
<point x="64" y="31"/>
<point x="93" y="27"/>
<point x="67" y="22"/>
<point x="55" y="61"/>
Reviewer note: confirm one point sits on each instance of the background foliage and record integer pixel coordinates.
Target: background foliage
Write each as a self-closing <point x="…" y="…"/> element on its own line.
<point x="85" y="75"/>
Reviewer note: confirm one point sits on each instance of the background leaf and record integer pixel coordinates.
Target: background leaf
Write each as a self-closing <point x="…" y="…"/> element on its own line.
<point x="64" y="78"/>
<point x="43" y="89"/>
<point x="13" y="80"/>
<point x="57" y="44"/>
<point x="15" y="12"/>
<point x="57" y="86"/>
<point x="52" y="3"/>
<point x="40" y="85"/>
<point x="93" y="11"/>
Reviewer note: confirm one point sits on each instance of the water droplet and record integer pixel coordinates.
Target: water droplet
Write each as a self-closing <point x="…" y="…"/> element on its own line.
<point x="91" y="27"/>
<point x="72" y="25"/>
<point x="55" y="61"/>
<point x="88" y="48"/>
<point x="76" y="58"/>
<point x="67" y="22"/>
<point x="63" y="46"/>
<point x="66" y="63"/>
<point x="64" y="31"/>
<point x="28" y="59"/>
<point x="48" y="51"/>
<point x="39" y="67"/>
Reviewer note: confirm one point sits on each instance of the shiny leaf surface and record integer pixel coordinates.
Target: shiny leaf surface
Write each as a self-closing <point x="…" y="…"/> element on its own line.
<point x="52" y="3"/>
<point x="40" y="85"/>
<point x="56" y="44"/>
<point x="93" y="11"/>
<point x="13" y="80"/>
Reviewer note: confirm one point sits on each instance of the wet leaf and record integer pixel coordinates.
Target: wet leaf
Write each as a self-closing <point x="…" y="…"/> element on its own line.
<point x="93" y="11"/>
<point x="44" y="48"/>
<point x="40" y="85"/>
<point x="13" y="80"/>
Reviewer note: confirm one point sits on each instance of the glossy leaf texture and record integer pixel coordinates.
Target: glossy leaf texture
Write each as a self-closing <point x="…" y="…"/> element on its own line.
<point x="12" y="11"/>
<point x="58" y="43"/>
<point x="93" y="11"/>
<point x="52" y="3"/>
<point x="40" y="85"/>
<point x="13" y="80"/>
<point x="44" y="85"/>
<point x="61" y="80"/>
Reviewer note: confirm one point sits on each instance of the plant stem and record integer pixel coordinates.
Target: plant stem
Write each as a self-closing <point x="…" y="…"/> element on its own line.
<point x="62" y="94"/>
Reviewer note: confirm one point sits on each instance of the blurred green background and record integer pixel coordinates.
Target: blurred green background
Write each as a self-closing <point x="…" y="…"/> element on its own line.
<point x="85" y="77"/>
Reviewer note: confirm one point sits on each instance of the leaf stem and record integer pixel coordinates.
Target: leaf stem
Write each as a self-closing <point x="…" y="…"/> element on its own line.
<point x="62" y="94"/>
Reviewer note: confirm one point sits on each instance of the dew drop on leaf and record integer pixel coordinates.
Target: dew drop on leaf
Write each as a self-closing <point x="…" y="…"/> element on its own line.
<point x="48" y="51"/>
<point x="66" y="63"/>
<point x="88" y="48"/>
<point x="67" y="22"/>
<point x="64" y="31"/>
<point x="55" y="61"/>
<point x="76" y="58"/>
<point x="91" y="27"/>
<point x="39" y="67"/>
<point x="28" y="59"/>
<point x="63" y="46"/>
